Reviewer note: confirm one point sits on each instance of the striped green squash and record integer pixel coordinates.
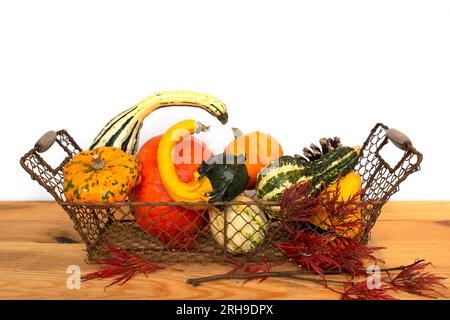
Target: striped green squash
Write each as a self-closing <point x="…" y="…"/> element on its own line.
<point x="287" y="171"/>
<point x="124" y="129"/>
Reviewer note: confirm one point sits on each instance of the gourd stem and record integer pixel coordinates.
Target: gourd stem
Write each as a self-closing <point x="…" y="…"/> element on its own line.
<point x="97" y="163"/>
<point x="237" y="132"/>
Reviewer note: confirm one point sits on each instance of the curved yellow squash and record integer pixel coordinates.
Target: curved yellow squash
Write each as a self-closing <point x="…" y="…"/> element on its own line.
<point x="195" y="191"/>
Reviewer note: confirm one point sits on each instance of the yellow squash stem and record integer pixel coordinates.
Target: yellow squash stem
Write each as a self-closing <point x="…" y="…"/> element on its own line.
<point x="197" y="189"/>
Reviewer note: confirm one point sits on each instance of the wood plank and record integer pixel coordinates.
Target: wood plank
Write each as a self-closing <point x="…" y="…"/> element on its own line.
<point x="33" y="264"/>
<point x="37" y="222"/>
<point x="417" y="211"/>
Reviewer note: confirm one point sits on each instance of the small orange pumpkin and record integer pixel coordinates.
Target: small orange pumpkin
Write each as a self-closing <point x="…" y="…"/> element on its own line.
<point x="105" y="174"/>
<point x="260" y="149"/>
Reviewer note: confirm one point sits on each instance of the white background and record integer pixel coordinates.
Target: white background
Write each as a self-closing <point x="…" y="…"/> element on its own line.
<point x="298" y="70"/>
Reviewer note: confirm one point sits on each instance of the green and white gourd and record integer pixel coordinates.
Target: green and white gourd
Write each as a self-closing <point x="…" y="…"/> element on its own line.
<point x="247" y="226"/>
<point x="123" y="130"/>
<point x="282" y="173"/>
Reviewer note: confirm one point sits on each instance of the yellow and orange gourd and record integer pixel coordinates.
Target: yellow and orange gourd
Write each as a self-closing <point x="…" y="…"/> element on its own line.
<point x="105" y="174"/>
<point x="349" y="190"/>
<point x="214" y="181"/>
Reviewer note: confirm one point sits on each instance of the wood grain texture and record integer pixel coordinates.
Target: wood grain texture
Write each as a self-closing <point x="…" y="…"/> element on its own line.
<point x="33" y="261"/>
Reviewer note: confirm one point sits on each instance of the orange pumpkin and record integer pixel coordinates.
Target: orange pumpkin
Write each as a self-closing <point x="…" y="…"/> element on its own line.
<point x="105" y="174"/>
<point x="174" y="226"/>
<point x="260" y="149"/>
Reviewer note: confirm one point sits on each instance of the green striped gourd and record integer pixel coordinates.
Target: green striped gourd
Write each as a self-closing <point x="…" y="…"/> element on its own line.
<point x="287" y="171"/>
<point x="247" y="226"/>
<point x="123" y="130"/>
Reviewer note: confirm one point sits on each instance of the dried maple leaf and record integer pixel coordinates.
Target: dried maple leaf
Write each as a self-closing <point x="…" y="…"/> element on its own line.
<point x="360" y="291"/>
<point x="415" y="280"/>
<point x="122" y="266"/>
<point x="325" y="252"/>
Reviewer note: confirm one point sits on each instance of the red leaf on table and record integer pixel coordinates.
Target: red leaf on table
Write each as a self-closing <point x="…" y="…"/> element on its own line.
<point x="325" y="252"/>
<point x="122" y="266"/>
<point x="360" y="291"/>
<point x="415" y="280"/>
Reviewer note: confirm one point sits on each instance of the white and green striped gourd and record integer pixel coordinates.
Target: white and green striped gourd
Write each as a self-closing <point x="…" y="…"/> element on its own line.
<point x="246" y="228"/>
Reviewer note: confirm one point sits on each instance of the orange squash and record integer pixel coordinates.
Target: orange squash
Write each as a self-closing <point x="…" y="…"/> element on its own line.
<point x="174" y="226"/>
<point x="259" y="148"/>
<point x="105" y="174"/>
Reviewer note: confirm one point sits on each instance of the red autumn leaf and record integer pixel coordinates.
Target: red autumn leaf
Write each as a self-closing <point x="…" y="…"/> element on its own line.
<point x="360" y="291"/>
<point x="122" y="266"/>
<point x="415" y="280"/>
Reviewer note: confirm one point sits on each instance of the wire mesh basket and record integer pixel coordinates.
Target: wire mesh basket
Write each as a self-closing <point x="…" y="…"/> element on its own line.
<point x="153" y="229"/>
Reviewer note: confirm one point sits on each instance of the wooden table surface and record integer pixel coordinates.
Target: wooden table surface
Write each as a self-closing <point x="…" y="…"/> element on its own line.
<point x="33" y="261"/>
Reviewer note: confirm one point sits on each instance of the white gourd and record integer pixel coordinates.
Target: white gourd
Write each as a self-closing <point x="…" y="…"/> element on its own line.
<point x="247" y="226"/>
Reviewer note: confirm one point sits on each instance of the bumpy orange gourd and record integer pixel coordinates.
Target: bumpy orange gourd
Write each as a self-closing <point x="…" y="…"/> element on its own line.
<point x="105" y="174"/>
<point x="259" y="148"/>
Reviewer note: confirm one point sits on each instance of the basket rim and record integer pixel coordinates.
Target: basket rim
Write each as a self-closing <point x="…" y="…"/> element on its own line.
<point x="170" y="203"/>
<point x="183" y="204"/>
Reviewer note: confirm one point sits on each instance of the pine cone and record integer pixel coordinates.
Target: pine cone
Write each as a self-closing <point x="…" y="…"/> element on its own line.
<point x="314" y="152"/>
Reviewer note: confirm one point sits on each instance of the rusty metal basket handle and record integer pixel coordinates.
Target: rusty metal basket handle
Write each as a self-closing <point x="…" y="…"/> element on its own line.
<point x="40" y="170"/>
